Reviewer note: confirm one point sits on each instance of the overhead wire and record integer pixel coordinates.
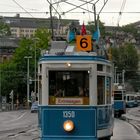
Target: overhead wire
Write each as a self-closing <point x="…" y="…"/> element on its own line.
<point x="88" y="10"/>
<point x="79" y="6"/>
<point x="121" y="11"/>
<point x="23" y="8"/>
<point x="42" y="12"/>
<point x="53" y="7"/>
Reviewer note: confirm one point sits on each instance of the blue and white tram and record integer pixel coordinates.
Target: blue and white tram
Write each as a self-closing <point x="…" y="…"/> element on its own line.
<point x="130" y="100"/>
<point x="75" y="97"/>
<point x="119" y="100"/>
<point x="138" y="99"/>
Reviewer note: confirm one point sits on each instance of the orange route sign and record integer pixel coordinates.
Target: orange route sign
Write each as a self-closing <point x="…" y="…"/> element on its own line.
<point x="83" y="43"/>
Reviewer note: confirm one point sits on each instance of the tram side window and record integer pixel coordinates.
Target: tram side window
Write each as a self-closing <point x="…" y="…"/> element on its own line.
<point x="108" y="90"/>
<point x="68" y="83"/>
<point x="100" y="90"/>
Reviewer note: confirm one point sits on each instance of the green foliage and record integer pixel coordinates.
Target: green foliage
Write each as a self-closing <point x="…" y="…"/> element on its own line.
<point x="126" y="57"/>
<point x="91" y="27"/>
<point x="42" y="37"/>
<point x="8" y="74"/>
<point x="4" y="30"/>
<point x="130" y="29"/>
<point x="14" y="73"/>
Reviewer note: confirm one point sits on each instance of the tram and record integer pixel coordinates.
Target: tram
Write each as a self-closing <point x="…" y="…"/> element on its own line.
<point x="131" y="100"/>
<point x="75" y="94"/>
<point x="138" y="99"/>
<point x="119" y="100"/>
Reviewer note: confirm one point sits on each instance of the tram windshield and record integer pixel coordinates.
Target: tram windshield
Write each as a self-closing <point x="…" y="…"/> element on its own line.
<point x="118" y="96"/>
<point x="66" y="86"/>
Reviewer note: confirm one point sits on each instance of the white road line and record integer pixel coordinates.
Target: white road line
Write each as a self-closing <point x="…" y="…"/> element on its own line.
<point x="18" y="117"/>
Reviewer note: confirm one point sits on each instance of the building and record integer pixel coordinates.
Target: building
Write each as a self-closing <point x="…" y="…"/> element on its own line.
<point x="26" y="27"/>
<point x="7" y="48"/>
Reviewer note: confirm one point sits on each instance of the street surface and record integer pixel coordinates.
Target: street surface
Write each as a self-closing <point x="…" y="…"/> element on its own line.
<point x="22" y="125"/>
<point x="18" y="125"/>
<point x="124" y="131"/>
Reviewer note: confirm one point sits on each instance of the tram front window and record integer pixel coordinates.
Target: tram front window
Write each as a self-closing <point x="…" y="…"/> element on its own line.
<point x="66" y="86"/>
<point x="118" y="96"/>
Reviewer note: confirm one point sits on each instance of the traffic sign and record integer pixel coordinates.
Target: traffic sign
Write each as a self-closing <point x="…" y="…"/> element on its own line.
<point x="83" y="42"/>
<point x="4" y="99"/>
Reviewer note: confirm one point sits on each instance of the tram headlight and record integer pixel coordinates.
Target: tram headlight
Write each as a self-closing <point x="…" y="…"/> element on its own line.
<point x="68" y="125"/>
<point x="68" y="64"/>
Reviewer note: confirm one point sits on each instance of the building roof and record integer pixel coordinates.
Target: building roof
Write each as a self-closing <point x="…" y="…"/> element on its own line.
<point x="24" y="22"/>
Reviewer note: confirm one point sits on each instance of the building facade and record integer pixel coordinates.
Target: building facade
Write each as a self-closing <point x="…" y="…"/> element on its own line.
<point x="7" y="48"/>
<point x="26" y="27"/>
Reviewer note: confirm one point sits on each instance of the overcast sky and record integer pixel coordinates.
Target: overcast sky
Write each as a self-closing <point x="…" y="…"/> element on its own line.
<point x="37" y="8"/>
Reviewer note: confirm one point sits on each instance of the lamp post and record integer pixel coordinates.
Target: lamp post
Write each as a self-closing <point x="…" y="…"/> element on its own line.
<point x="123" y="71"/>
<point x="115" y="74"/>
<point x="0" y="94"/>
<point x="28" y="82"/>
<point x="35" y="71"/>
<point x="35" y="65"/>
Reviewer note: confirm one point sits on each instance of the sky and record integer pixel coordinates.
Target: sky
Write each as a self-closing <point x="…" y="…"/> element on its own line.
<point x="109" y="15"/>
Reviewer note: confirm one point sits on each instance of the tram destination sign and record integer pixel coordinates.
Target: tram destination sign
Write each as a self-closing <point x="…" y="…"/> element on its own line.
<point x="71" y="101"/>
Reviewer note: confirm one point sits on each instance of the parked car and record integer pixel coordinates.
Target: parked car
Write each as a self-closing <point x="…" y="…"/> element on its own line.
<point x="34" y="107"/>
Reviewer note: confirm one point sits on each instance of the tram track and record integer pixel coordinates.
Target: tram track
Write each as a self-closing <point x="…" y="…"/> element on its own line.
<point x="133" y="117"/>
<point x="21" y="126"/>
<point x="16" y="132"/>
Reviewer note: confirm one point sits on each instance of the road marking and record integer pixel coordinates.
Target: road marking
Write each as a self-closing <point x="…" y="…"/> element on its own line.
<point x="18" y="117"/>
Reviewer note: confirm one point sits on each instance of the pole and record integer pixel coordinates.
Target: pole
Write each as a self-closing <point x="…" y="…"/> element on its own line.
<point x="28" y="82"/>
<point x="0" y="93"/>
<point x="118" y="78"/>
<point x="115" y="75"/>
<point x="12" y="98"/>
<point x="123" y="71"/>
<point x="51" y="20"/>
<point x="95" y="16"/>
<point x="35" y="71"/>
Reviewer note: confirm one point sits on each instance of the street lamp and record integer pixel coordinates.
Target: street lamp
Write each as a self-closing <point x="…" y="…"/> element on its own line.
<point x="0" y="94"/>
<point x="35" y="71"/>
<point x="28" y="77"/>
<point x="35" y="65"/>
<point x="115" y="74"/>
<point x="123" y="71"/>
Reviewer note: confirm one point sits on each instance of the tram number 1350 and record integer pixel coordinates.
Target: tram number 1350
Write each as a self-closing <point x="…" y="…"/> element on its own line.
<point x="68" y="114"/>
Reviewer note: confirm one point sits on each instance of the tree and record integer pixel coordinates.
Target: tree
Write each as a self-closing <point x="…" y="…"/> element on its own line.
<point x="14" y="72"/>
<point x="91" y="27"/>
<point x="130" y="29"/>
<point x="126" y="58"/>
<point x="42" y="37"/>
<point x="8" y="78"/>
<point x="4" y="29"/>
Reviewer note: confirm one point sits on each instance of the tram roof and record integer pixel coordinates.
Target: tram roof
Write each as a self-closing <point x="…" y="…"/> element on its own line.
<point x="48" y="57"/>
<point x="61" y="51"/>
